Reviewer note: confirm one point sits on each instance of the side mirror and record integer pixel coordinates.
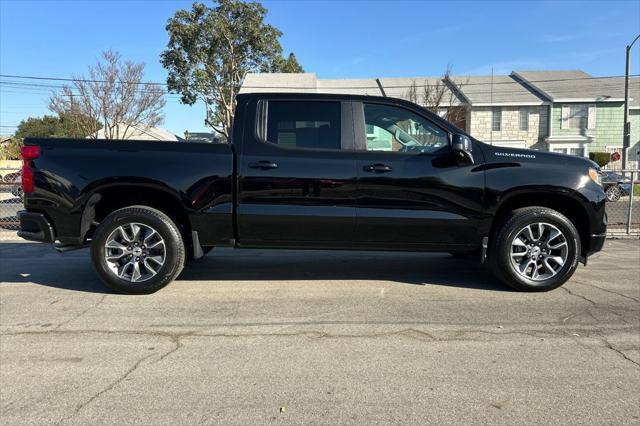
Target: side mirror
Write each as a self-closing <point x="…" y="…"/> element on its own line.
<point x="462" y="147"/>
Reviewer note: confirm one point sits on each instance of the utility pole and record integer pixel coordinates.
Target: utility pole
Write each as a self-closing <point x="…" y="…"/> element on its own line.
<point x="492" y="110"/>
<point x="626" y="141"/>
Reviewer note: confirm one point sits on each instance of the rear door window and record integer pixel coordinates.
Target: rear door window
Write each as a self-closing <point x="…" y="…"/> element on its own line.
<point x="300" y="124"/>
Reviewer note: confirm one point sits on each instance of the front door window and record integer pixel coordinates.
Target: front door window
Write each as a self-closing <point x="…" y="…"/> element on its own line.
<point x="390" y="128"/>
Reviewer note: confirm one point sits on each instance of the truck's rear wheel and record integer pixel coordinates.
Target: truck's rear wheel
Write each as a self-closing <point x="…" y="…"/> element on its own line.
<point x="535" y="249"/>
<point x="137" y="250"/>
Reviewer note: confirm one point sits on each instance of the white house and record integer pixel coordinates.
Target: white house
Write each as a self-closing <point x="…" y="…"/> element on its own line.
<point x="138" y="133"/>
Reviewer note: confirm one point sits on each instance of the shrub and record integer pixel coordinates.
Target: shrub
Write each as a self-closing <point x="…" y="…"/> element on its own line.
<point x="11" y="150"/>
<point x="600" y="158"/>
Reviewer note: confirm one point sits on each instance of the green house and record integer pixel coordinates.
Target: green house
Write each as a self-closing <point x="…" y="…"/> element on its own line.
<point x="586" y="113"/>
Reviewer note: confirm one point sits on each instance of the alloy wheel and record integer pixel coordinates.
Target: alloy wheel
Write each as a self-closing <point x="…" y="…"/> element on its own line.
<point x="539" y="251"/>
<point x="135" y="252"/>
<point x="613" y="193"/>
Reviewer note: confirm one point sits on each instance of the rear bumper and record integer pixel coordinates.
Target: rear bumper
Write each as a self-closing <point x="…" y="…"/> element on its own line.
<point x="35" y="227"/>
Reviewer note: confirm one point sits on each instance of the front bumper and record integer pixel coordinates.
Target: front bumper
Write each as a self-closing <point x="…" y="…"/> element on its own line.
<point x="625" y="188"/>
<point x="35" y="227"/>
<point x="596" y="242"/>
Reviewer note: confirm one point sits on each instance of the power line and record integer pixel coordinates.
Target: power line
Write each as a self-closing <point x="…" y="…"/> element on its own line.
<point x="34" y="86"/>
<point x="42" y="90"/>
<point x="6" y="87"/>
<point x="497" y="93"/>
<point x="31" y="77"/>
<point x="375" y="86"/>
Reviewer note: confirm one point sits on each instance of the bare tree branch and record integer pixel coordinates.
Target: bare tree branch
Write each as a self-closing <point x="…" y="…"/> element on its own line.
<point x="113" y="96"/>
<point x="437" y="96"/>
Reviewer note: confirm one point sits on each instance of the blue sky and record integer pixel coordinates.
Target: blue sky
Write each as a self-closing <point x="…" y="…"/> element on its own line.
<point x="335" y="39"/>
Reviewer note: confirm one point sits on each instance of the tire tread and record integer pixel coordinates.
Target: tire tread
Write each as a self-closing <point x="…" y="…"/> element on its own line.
<point x="157" y="282"/>
<point x="499" y="241"/>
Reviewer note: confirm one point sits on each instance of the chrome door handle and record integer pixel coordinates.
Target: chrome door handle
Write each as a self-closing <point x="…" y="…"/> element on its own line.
<point x="377" y="168"/>
<point x="263" y="164"/>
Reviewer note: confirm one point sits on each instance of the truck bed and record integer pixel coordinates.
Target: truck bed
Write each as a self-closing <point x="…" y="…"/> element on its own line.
<point x="69" y="172"/>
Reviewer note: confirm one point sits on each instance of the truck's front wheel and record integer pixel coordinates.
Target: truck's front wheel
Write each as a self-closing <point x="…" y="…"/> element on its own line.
<point x="535" y="249"/>
<point x="137" y="250"/>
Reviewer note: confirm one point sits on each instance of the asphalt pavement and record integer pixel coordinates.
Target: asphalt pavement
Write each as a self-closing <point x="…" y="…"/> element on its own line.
<point x="255" y="337"/>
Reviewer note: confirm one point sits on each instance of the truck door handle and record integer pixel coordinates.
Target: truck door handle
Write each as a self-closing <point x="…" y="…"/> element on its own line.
<point x="263" y="164"/>
<point x="377" y="168"/>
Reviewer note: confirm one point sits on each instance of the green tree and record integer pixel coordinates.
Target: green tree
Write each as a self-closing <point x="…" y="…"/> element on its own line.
<point x="211" y="50"/>
<point x="50" y="126"/>
<point x="289" y="65"/>
<point x="39" y="127"/>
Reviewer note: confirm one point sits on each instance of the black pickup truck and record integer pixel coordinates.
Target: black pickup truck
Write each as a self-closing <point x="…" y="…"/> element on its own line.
<point x="311" y="171"/>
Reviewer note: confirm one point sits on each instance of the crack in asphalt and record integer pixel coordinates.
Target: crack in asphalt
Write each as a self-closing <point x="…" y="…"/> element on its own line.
<point x="98" y="394"/>
<point x="578" y="295"/>
<point x="587" y="311"/>
<point x="575" y="314"/>
<point x="176" y="339"/>
<point x="95" y="305"/>
<point x="410" y="332"/>
<point x="609" y="291"/>
<point x="613" y="348"/>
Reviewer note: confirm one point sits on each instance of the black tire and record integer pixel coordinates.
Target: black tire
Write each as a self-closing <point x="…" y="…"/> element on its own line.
<point x="613" y="193"/>
<point x="501" y="248"/>
<point x="158" y="221"/>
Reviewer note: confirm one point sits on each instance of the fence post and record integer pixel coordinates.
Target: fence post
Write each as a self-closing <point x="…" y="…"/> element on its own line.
<point x="629" y="210"/>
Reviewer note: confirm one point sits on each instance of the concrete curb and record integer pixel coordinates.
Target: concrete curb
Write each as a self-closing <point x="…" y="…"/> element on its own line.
<point x="634" y="235"/>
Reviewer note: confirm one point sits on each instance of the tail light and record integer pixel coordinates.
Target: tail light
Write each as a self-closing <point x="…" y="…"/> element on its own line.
<point x="28" y="152"/>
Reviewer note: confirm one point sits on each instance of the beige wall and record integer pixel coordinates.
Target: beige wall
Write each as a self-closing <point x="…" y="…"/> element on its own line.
<point x="10" y="164"/>
<point x="481" y="117"/>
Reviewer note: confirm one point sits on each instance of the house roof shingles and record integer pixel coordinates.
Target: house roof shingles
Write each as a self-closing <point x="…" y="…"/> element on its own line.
<point x="519" y="88"/>
<point x="496" y="90"/>
<point x="139" y="133"/>
<point x="400" y="87"/>
<point x="572" y="86"/>
<point x="308" y="83"/>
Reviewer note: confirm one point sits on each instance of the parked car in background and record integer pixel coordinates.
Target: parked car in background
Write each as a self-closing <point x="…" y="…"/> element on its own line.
<point x="615" y="185"/>
<point x="16" y="189"/>
<point x="10" y="177"/>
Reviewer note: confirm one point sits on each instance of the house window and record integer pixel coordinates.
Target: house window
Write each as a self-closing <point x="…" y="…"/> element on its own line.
<point x="496" y="119"/>
<point x="524" y="119"/>
<point x="577" y="149"/>
<point x="578" y="116"/>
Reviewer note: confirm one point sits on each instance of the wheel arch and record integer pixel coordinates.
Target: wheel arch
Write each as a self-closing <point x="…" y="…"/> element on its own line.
<point x="563" y="203"/>
<point x="111" y="197"/>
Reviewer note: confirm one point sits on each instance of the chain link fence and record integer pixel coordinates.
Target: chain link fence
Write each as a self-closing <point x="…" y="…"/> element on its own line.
<point x="622" y="188"/>
<point x="623" y="201"/>
<point x="10" y="202"/>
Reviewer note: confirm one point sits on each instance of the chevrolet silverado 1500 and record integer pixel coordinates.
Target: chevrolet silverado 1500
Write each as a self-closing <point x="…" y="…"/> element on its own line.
<point x="311" y="171"/>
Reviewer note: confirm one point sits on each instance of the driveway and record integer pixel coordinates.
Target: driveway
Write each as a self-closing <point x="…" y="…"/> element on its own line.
<point x="247" y="337"/>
